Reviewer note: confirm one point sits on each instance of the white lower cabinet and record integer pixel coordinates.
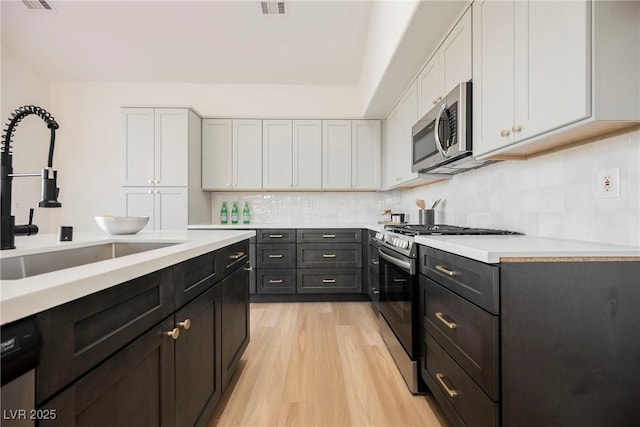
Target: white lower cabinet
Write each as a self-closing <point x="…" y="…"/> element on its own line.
<point x="166" y="207"/>
<point x="351" y="155"/>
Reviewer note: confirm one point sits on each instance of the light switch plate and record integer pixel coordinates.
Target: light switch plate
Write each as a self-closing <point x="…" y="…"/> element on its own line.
<point x="608" y="184"/>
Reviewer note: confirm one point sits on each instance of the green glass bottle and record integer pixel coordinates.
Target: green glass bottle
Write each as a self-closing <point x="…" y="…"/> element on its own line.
<point x="246" y="214"/>
<point x="234" y="213"/>
<point x="224" y="214"/>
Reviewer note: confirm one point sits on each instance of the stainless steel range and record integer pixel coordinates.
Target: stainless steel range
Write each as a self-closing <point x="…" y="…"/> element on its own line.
<point x="399" y="310"/>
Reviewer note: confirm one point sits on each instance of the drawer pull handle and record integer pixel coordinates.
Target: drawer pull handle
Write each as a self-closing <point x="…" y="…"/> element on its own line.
<point x="400" y="280"/>
<point x="275" y="236"/>
<point x="275" y="281"/>
<point x="237" y="255"/>
<point x="186" y="324"/>
<point x="445" y="270"/>
<point x="173" y="334"/>
<point x="328" y="236"/>
<point x="375" y="291"/>
<point x="248" y="269"/>
<point x="443" y="382"/>
<point x="328" y="280"/>
<point x="328" y="255"/>
<point x="275" y="256"/>
<point x="375" y="262"/>
<point x="443" y="319"/>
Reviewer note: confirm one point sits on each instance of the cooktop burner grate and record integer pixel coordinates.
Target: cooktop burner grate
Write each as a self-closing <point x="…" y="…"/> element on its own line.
<point x="444" y="229"/>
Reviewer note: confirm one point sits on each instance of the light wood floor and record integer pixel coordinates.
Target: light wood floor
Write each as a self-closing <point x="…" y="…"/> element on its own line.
<point x="319" y="364"/>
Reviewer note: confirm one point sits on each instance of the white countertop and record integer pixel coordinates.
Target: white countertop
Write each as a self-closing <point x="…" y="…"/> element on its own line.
<point x="376" y="227"/>
<point x="494" y="249"/>
<point x="24" y="297"/>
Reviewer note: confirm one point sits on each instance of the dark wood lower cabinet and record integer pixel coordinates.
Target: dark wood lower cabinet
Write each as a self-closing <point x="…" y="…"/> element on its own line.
<point x="235" y="321"/>
<point x="197" y="363"/>
<point x="133" y="388"/>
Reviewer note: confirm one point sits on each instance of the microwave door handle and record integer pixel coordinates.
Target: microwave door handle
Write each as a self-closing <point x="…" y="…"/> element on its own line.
<point x="436" y="130"/>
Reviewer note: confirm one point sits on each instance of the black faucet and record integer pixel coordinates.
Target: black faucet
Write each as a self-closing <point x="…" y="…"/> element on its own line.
<point x="50" y="190"/>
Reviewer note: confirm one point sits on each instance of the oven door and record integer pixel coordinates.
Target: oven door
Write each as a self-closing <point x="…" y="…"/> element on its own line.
<point x="398" y="296"/>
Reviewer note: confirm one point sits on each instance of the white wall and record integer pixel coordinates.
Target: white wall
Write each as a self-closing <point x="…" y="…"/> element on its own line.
<point x="23" y="85"/>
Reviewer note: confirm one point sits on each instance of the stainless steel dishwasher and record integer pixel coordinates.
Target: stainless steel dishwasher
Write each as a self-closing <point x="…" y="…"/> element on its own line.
<point x="19" y="357"/>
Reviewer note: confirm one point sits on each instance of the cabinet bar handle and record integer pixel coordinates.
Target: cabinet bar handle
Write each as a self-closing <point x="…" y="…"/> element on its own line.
<point x="400" y="280"/>
<point x="275" y="236"/>
<point x="186" y="324"/>
<point x="328" y="255"/>
<point x="276" y="281"/>
<point x="275" y="256"/>
<point x="237" y="255"/>
<point x="375" y="262"/>
<point x="445" y="270"/>
<point x="174" y="334"/>
<point x="328" y="280"/>
<point x="328" y="236"/>
<point x="443" y="382"/>
<point x="375" y="291"/>
<point x="443" y="319"/>
<point x="248" y="269"/>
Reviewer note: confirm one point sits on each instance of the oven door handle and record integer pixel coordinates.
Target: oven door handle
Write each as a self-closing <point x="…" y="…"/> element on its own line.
<point x="404" y="265"/>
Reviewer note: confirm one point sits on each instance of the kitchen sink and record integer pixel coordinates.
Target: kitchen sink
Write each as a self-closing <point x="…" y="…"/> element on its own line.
<point x="24" y="266"/>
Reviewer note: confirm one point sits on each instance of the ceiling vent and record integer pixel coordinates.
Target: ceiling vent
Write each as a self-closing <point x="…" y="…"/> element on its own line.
<point x="37" y="5"/>
<point x="273" y="7"/>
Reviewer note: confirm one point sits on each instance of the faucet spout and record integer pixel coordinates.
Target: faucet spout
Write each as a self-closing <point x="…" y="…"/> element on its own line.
<point x="49" y="176"/>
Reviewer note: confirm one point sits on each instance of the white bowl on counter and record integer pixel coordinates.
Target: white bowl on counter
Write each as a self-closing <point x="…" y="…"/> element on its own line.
<point x="121" y="224"/>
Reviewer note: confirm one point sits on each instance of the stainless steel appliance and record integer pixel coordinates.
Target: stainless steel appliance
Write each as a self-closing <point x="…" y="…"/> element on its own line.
<point x="398" y="292"/>
<point x="442" y="142"/>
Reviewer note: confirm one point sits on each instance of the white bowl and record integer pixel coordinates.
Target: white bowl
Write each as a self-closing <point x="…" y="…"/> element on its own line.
<point x="121" y="224"/>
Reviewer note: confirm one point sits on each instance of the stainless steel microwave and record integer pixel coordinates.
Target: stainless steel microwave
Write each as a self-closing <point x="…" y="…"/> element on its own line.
<point x="442" y="138"/>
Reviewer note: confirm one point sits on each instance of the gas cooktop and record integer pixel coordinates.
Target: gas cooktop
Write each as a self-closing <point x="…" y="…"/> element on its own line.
<point x="443" y="229"/>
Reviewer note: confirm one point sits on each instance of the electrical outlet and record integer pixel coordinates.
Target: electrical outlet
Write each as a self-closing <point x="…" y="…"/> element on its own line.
<point x="608" y="184"/>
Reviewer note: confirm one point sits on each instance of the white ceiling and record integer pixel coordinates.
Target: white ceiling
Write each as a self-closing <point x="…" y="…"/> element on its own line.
<point x="318" y="42"/>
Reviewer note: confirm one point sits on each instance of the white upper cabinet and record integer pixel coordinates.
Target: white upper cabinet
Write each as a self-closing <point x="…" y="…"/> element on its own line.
<point x="450" y="65"/>
<point x="547" y="74"/>
<point x="277" y="155"/>
<point x="166" y="207"/>
<point x="231" y="154"/>
<point x="351" y="155"/>
<point x="365" y="155"/>
<point x="307" y="154"/>
<point x="217" y="154"/>
<point x="155" y="147"/>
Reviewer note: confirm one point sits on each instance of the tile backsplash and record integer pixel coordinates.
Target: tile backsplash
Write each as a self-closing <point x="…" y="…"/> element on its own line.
<point x="552" y="195"/>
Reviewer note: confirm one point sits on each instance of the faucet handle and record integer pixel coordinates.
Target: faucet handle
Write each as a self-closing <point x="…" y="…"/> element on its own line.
<point x="30" y="216"/>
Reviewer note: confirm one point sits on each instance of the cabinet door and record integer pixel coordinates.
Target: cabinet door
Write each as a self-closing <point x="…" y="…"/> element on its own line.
<point x="137" y="149"/>
<point x="198" y="368"/>
<point x="247" y="154"/>
<point x="171" y="147"/>
<point x="552" y="57"/>
<point x="307" y="154"/>
<point x="455" y="54"/>
<point x="171" y="209"/>
<point x="217" y="154"/>
<point x="409" y="111"/>
<point x="430" y="85"/>
<point x="140" y="201"/>
<point x="365" y="155"/>
<point x="135" y="387"/>
<point x="391" y="148"/>
<point x="235" y="321"/>
<point x="493" y="75"/>
<point x="336" y="154"/>
<point x="277" y="155"/>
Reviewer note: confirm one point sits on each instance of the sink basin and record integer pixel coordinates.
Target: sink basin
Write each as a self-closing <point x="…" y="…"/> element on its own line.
<point x="46" y="262"/>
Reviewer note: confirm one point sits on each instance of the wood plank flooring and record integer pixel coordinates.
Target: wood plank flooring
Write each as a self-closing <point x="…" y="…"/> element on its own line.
<point x="320" y="364"/>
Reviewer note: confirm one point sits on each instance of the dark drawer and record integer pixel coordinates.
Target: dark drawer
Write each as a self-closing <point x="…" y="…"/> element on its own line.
<point x="276" y="256"/>
<point x="80" y="334"/>
<point x="339" y="235"/>
<point x="319" y="255"/>
<point x="190" y="276"/>
<point x="329" y="281"/>
<point x="470" y="406"/>
<point x="276" y="281"/>
<point x="473" y="280"/>
<point x="234" y="256"/>
<point x="469" y="334"/>
<point x="287" y="235"/>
